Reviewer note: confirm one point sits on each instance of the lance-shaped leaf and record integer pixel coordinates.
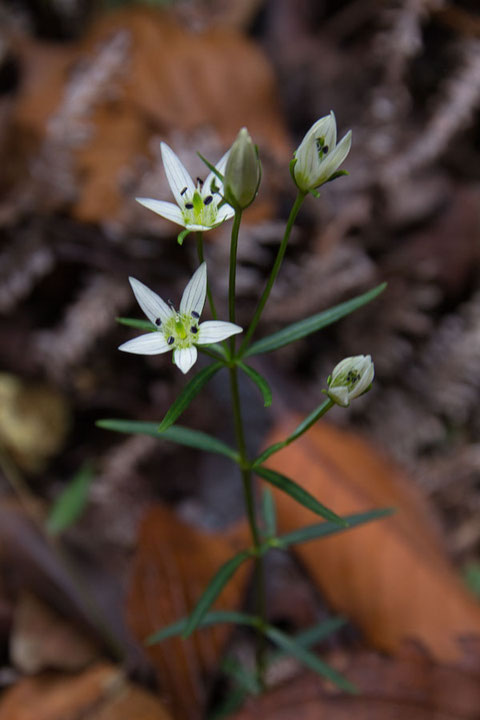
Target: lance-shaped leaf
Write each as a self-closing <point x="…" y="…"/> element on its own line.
<point x="137" y="324"/>
<point x="189" y="392"/>
<point x="70" y="505"/>
<point x="320" y="530"/>
<point x="307" y="658"/>
<point x="299" y="494"/>
<point x="215" y="617"/>
<point x="301" y="329"/>
<point x="259" y="381"/>
<point x="175" y="433"/>
<point x="213" y="590"/>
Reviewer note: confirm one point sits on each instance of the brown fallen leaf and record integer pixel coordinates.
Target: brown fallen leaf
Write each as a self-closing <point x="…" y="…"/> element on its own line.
<point x="42" y="640"/>
<point x="149" y="76"/>
<point x="392" y="578"/>
<point x="173" y="566"/>
<point x="100" y="693"/>
<point x="407" y="688"/>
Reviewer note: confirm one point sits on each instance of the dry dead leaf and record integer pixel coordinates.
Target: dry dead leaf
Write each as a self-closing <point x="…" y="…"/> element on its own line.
<point x="407" y="688"/>
<point x="42" y="640"/>
<point x="162" y="78"/>
<point x="173" y="566"/>
<point x="100" y="693"/>
<point x="391" y="577"/>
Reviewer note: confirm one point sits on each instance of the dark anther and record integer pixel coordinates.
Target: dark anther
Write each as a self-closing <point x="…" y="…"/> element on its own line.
<point x="171" y="340"/>
<point x="158" y="322"/>
<point x="208" y="200"/>
<point x="199" y="181"/>
<point x="195" y="314"/>
<point x="189" y="206"/>
<point x="325" y="149"/>
<point x="194" y="329"/>
<point x="184" y="191"/>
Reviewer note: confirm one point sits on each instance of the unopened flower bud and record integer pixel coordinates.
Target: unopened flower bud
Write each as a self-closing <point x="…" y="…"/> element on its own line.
<point x="351" y="378"/>
<point x="242" y="173"/>
<point x="318" y="157"/>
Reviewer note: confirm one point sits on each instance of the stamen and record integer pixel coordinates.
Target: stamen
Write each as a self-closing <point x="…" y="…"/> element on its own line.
<point x="170" y="304"/>
<point x="195" y="314"/>
<point x="158" y="322"/>
<point x="189" y="206"/>
<point x="171" y="340"/>
<point x="208" y="200"/>
<point x="184" y="191"/>
<point x="194" y="329"/>
<point x="325" y="149"/>
<point x="200" y="181"/>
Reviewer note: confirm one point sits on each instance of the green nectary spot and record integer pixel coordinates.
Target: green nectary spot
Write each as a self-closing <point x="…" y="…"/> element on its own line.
<point x="197" y="203"/>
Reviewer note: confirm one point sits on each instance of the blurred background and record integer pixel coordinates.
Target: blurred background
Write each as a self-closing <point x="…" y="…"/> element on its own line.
<point x="87" y="91"/>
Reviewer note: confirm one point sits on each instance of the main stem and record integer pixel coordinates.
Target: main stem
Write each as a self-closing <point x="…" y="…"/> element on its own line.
<point x="252" y="521"/>
<point x="276" y="267"/>
<point x="247" y="480"/>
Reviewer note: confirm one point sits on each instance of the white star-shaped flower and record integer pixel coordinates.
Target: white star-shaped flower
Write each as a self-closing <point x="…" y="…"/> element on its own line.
<point x="351" y="378"/>
<point x="318" y="156"/>
<point x="178" y="331"/>
<point x="199" y="207"/>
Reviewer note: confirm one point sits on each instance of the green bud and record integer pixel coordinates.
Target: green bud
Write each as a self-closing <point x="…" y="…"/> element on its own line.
<point x="242" y="173"/>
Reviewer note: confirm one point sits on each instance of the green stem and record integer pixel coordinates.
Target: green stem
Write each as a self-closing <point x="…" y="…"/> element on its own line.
<point x="276" y="267"/>
<point x="247" y="481"/>
<point x="201" y="259"/>
<point x="233" y="265"/>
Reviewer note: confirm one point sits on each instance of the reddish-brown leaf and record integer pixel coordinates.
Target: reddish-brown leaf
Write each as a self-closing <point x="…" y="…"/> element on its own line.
<point x="392" y="577"/>
<point x="173" y="566"/>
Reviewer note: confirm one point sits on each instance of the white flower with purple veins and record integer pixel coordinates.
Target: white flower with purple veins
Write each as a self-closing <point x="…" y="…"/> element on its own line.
<point x="199" y="207"/>
<point x="318" y="157"/>
<point x="178" y="331"/>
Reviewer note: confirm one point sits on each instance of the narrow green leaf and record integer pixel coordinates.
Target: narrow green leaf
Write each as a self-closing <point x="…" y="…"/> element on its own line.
<point x="319" y="632"/>
<point x="138" y="324"/>
<point x="269" y="513"/>
<point x="211" y="167"/>
<point x="213" y="590"/>
<point x="314" y="532"/>
<point x="245" y="679"/>
<point x="71" y="503"/>
<point x="290" y="646"/>
<point x="310" y="325"/>
<point x="175" y="433"/>
<point x="186" y="396"/>
<point x="259" y="381"/>
<point x="215" y="617"/>
<point x="299" y="494"/>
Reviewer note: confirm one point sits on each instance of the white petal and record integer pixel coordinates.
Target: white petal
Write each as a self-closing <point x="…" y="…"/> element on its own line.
<point x="165" y="209"/>
<point x="150" y="344"/>
<point x="185" y="358"/>
<point x="225" y="213"/>
<point x="193" y="227"/>
<point x="152" y="304"/>
<point x="220" y="166"/>
<point x="193" y="298"/>
<point x="177" y="175"/>
<point x="332" y="162"/>
<point x="213" y="331"/>
<point x="331" y="131"/>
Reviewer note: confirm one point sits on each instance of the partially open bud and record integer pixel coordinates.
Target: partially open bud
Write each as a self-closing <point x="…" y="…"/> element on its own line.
<point x="242" y="173"/>
<point x="351" y="378"/>
<point x="318" y="157"/>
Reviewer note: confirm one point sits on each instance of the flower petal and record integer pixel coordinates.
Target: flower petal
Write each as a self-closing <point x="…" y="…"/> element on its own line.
<point x="340" y="395"/>
<point x="220" y="166"/>
<point x="152" y="343"/>
<point x="213" y="331"/>
<point x="165" y="209"/>
<point x="193" y="298"/>
<point x="152" y="304"/>
<point x="333" y="161"/>
<point x="224" y="213"/>
<point x="185" y="358"/>
<point x="177" y="175"/>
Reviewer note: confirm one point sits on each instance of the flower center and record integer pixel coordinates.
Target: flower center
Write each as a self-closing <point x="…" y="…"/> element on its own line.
<point x="180" y="330"/>
<point x="199" y="210"/>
